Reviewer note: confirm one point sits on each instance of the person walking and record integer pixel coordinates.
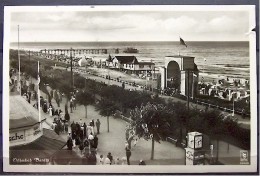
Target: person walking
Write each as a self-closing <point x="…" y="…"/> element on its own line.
<point x="66" y="126"/>
<point x="74" y="102"/>
<point x="98" y="125"/>
<point x="81" y="147"/>
<point x="92" y="123"/>
<point x="69" y="144"/>
<point x="50" y="111"/>
<point x="69" y="136"/>
<point x="71" y="105"/>
<point x="110" y="157"/>
<point x="84" y="129"/>
<point x="95" y="142"/>
<point x="101" y="160"/>
<point x="77" y="142"/>
<point x="44" y="107"/>
<point x="128" y="155"/>
<point x="91" y="140"/>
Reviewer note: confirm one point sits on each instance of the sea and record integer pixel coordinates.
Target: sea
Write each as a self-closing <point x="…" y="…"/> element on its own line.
<point x="216" y="60"/>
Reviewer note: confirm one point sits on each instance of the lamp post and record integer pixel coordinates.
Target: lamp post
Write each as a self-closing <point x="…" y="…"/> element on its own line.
<point x="30" y="63"/>
<point x="233" y="113"/>
<point x="19" y="63"/>
<point x="188" y="95"/>
<point x="71" y="72"/>
<point x="108" y="76"/>
<point x="204" y="67"/>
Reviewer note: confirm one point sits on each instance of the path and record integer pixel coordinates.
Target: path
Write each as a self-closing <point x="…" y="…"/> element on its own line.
<point x="114" y="141"/>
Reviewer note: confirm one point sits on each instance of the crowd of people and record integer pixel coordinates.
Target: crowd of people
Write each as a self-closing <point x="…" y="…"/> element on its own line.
<point x="82" y="137"/>
<point x="225" y="88"/>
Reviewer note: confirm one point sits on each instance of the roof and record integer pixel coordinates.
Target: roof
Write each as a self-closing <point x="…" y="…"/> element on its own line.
<point x="52" y="135"/>
<point x="22" y="122"/>
<point x="22" y="113"/>
<point x="20" y="108"/>
<point x="196" y="67"/>
<point x="181" y="56"/>
<point x="127" y="59"/>
<point x="146" y="63"/>
<point x="109" y="59"/>
<point x="43" y="147"/>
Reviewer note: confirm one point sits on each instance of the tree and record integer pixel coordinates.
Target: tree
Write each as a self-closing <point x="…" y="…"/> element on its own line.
<point x="85" y="98"/>
<point x="65" y="88"/>
<point x="150" y="121"/>
<point x="178" y="121"/>
<point x="106" y="108"/>
<point x="67" y="116"/>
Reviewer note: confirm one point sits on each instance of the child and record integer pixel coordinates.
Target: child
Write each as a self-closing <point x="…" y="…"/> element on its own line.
<point x="101" y="160"/>
<point x="117" y="161"/>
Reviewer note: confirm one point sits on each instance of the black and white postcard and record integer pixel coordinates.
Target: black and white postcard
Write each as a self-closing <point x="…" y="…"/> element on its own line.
<point x="130" y="89"/>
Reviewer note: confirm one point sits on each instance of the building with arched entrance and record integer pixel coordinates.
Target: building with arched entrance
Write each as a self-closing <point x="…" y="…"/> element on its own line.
<point x="180" y="73"/>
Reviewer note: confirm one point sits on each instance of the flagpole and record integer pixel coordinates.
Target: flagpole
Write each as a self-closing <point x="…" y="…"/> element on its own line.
<point x="204" y="69"/>
<point x="192" y="88"/>
<point x="39" y="105"/>
<point x="233" y="113"/>
<point x="146" y="80"/>
<point x="19" y="65"/>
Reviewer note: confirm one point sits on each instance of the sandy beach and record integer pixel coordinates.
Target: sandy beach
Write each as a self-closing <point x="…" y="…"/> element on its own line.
<point x="207" y="78"/>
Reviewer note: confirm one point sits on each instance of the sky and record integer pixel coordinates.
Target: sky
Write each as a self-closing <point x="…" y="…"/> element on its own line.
<point x="85" y="26"/>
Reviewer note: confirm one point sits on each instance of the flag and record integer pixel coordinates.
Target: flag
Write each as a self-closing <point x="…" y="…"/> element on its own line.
<point x="182" y="42"/>
<point x="38" y="98"/>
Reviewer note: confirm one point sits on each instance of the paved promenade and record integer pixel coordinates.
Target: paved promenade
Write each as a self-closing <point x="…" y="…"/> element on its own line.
<point x="114" y="140"/>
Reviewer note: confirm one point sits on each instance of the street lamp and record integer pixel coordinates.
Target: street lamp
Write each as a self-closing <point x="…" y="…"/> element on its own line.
<point x="71" y="73"/>
<point x="204" y="68"/>
<point x="19" y="65"/>
<point x="233" y="113"/>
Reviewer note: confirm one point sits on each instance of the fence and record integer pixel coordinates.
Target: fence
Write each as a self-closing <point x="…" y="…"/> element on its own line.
<point x="221" y="108"/>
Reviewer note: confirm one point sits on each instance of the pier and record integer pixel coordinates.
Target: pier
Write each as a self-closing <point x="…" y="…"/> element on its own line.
<point x="74" y="51"/>
<point x="64" y="54"/>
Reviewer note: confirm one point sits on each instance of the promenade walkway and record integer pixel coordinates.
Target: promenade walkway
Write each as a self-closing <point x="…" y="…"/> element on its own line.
<point x="114" y="140"/>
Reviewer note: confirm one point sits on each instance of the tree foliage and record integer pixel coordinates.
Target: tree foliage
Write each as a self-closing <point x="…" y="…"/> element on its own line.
<point x="106" y="107"/>
<point x="85" y="97"/>
<point x="151" y="121"/>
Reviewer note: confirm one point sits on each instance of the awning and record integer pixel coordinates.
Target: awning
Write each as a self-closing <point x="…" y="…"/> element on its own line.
<point x="20" y="108"/>
<point x="39" y="151"/>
